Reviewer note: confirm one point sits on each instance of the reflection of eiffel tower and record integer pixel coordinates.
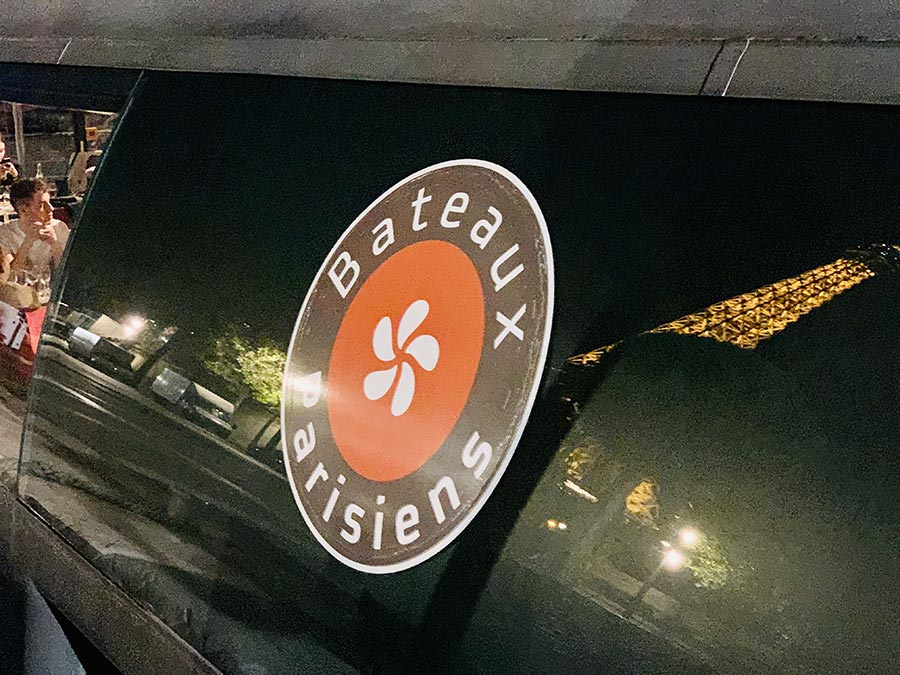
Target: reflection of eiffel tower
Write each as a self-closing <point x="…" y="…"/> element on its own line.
<point x="750" y="318"/>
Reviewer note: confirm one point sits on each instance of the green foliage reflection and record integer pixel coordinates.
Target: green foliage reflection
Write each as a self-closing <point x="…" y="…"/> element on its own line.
<point x="708" y="563"/>
<point x="257" y="366"/>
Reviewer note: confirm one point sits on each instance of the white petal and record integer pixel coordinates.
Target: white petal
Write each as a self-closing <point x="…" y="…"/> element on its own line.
<point x="377" y="384"/>
<point x="381" y="340"/>
<point x="412" y="318"/>
<point x="424" y="349"/>
<point x="403" y="395"/>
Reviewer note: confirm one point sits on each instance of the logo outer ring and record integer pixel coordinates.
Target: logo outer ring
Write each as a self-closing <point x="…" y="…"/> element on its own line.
<point x="485" y="494"/>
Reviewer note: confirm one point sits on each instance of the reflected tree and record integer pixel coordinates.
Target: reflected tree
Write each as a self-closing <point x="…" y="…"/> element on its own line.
<point x="708" y="563"/>
<point x="254" y="366"/>
<point x="223" y="354"/>
<point x="262" y="369"/>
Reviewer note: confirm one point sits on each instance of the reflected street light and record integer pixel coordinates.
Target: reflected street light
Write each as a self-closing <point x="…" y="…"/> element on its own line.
<point x="672" y="560"/>
<point x="133" y="325"/>
<point x="688" y="537"/>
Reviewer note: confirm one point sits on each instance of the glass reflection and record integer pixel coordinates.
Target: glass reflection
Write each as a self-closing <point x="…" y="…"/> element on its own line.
<point x="47" y="159"/>
<point x="227" y="383"/>
<point x="153" y="443"/>
<point x="723" y="493"/>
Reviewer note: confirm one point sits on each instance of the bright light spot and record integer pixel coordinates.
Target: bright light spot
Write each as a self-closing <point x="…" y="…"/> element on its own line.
<point x="688" y="537"/>
<point x="666" y="544"/>
<point x="563" y="526"/>
<point x="128" y="331"/>
<point x="552" y="524"/>
<point x="136" y="323"/>
<point x="673" y="560"/>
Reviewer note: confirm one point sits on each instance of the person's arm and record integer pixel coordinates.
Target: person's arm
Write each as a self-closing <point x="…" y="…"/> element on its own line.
<point x="9" y="171"/>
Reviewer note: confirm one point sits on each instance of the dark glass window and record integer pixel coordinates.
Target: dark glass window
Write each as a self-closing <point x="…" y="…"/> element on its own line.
<point x="710" y="493"/>
<point x="728" y="484"/>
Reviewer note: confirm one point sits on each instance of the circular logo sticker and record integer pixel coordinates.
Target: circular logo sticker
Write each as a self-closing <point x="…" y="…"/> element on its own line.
<point x="414" y="364"/>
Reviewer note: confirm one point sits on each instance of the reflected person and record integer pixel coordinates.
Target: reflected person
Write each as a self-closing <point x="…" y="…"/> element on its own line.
<point x="9" y="172"/>
<point x="34" y="242"/>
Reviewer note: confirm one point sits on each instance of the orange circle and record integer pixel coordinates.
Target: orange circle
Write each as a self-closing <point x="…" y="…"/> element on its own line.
<point x="375" y="442"/>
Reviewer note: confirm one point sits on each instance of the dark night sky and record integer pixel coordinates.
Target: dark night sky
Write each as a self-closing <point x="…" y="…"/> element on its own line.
<point x="221" y="195"/>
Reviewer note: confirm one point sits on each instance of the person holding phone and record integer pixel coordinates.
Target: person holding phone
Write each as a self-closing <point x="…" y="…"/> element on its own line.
<point x="34" y="242"/>
<point x="9" y="172"/>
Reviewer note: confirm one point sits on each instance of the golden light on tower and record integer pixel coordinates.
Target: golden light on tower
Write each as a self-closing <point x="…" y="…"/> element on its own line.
<point x="750" y="318"/>
<point x="642" y="503"/>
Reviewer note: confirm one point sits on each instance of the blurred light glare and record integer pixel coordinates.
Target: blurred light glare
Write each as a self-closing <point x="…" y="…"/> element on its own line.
<point x="552" y="524"/>
<point x="136" y="322"/>
<point x="688" y="537"/>
<point x="673" y="560"/>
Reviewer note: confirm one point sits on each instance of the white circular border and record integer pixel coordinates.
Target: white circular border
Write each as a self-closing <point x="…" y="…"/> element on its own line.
<point x="448" y="538"/>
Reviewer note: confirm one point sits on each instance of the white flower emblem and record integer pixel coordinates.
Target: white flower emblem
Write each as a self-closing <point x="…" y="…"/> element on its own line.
<point x="424" y="350"/>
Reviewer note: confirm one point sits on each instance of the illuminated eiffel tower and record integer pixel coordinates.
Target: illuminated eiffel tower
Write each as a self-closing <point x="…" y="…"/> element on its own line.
<point x="750" y="318"/>
<point x="744" y="321"/>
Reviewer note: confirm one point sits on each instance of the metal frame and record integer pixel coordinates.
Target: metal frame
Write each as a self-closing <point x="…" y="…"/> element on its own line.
<point x="842" y="69"/>
<point x="129" y="635"/>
